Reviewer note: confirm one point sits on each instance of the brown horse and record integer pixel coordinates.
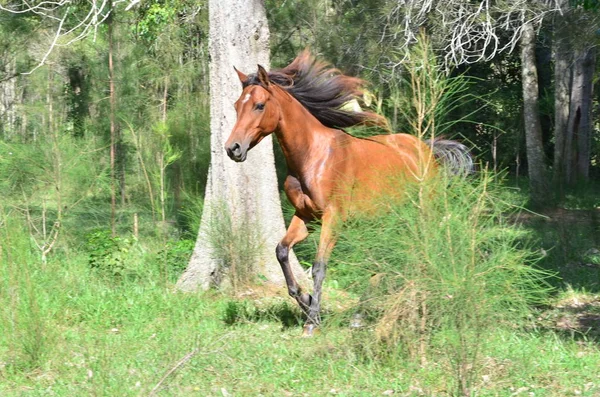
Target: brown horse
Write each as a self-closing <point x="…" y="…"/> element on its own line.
<point x="330" y="173"/>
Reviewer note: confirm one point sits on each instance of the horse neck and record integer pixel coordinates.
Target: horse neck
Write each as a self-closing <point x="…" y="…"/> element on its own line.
<point x="300" y="134"/>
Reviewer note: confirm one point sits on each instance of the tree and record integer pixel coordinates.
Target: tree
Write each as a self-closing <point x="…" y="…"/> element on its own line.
<point x="562" y="88"/>
<point x="471" y="32"/>
<point x="536" y="164"/>
<point x="574" y="42"/>
<point x="113" y="132"/>
<point x="241" y="199"/>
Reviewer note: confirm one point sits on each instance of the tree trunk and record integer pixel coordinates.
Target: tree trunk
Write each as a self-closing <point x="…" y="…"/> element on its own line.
<point x="562" y="84"/>
<point x="584" y="134"/>
<point x="113" y="138"/>
<point x="78" y="98"/>
<point x="8" y="97"/>
<point x="533" y="131"/>
<point x="571" y="144"/>
<point x="247" y="191"/>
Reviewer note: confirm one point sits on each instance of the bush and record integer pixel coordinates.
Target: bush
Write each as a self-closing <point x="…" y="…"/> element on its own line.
<point x="110" y="256"/>
<point x="440" y="268"/>
<point x="175" y="257"/>
<point x="236" y="246"/>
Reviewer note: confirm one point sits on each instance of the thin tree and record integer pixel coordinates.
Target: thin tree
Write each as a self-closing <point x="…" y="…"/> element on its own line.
<point x="113" y="137"/>
<point x="239" y="195"/>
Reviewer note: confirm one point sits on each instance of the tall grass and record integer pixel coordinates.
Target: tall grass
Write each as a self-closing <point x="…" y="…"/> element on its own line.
<point x="235" y="245"/>
<point x="24" y="320"/>
<point x="439" y="266"/>
<point x="440" y="273"/>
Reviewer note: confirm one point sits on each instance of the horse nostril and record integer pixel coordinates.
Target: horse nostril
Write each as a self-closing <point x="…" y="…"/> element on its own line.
<point x="236" y="149"/>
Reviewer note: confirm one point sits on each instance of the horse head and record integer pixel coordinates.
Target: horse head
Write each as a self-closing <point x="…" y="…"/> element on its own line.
<point x="257" y="114"/>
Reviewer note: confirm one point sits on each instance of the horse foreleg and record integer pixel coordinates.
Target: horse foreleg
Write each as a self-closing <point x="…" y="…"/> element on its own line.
<point x="319" y="268"/>
<point x="296" y="232"/>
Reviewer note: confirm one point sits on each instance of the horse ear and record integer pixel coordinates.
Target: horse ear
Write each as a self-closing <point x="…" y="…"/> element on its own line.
<point x="242" y="76"/>
<point x="263" y="76"/>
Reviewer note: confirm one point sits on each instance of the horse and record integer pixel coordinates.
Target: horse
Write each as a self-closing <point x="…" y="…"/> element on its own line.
<point x="330" y="172"/>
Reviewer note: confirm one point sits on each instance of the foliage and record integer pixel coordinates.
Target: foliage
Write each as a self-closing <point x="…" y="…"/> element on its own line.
<point x="176" y="256"/>
<point x="236" y="246"/>
<point x="109" y="255"/>
<point x="443" y="264"/>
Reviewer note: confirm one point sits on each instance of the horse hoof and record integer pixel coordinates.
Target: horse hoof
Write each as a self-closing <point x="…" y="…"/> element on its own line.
<point x="310" y="330"/>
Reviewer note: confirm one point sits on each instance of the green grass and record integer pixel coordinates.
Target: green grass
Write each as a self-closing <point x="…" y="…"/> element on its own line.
<point x="105" y="338"/>
<point x="67" y="329"/>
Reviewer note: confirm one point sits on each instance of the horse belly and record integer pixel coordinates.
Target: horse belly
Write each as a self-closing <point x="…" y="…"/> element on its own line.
<point x="378" y="174"/>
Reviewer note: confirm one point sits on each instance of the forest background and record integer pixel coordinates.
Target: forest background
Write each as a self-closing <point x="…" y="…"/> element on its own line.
<point x="105" y="149"/>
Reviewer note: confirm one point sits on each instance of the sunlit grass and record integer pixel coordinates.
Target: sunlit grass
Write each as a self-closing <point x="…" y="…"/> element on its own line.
<point x="103" y="338"/>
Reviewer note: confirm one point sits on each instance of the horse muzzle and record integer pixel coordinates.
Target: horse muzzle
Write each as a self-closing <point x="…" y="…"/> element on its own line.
<point x="237" y="151"/>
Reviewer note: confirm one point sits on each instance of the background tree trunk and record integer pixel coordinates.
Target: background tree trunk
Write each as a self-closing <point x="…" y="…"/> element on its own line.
<point x="239" y="36"/>
<point x="533" y="131"/>
<point x="584" y="134"/>
<point x="575" y="108"/>
<point x="8" y="97"/>
<point x="562" y="84"/>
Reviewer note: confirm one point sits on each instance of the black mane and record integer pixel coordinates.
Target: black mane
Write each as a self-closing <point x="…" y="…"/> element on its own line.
<point x="322" y="90"/>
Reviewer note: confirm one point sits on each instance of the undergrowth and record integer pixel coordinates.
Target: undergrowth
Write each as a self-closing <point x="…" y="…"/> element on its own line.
<point x="442" y="266"/>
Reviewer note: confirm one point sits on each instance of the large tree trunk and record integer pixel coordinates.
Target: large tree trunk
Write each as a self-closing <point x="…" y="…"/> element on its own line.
<point x="246" y="192"/>
<point x="533" y="130"/>
<point x="584" y="134"/>
<point x="562" y="84"/>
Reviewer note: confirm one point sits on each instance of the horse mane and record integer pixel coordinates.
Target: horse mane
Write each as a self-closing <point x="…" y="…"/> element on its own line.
<point x="323" y="91"/>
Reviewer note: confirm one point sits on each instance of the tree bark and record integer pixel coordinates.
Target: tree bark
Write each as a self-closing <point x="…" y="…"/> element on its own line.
<point x="584" y="134"/>
<point x="575" y="107"/>
<point x="562" y="85"/>
<point x="238" y="36"/>
<point x="533" y="131"/>
<point x="113" y="138"/>
<point x="8" y="97"/>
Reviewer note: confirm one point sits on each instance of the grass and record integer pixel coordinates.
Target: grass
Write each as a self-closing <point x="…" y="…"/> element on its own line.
<point x="102" y="338"/>
<point x="69" y="330"/>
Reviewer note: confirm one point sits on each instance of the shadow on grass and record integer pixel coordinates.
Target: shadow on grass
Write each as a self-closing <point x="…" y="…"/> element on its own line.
<point x="576" y="317"/>
<point x="570" y="246"/>
<point x="271" y="310"/>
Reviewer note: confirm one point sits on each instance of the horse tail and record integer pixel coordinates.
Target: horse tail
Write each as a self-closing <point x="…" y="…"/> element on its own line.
<point x="453" y="155"/>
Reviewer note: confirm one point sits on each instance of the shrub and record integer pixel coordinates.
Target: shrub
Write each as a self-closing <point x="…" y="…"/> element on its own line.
<point x="274" y="309"/>
<point x="176" y="256"/>
<point x="440" y="268"/>
<point x="109" y="256"/>
<point x="236" y="246"/>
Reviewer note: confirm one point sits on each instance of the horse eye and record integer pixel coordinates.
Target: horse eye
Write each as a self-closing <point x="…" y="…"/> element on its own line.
<point x="259" y="106"/>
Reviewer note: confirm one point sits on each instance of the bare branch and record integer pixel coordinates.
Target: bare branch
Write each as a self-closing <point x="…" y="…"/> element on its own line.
<point x="56" y="36"/>
<point x="58" y="12"/>
<point x="469" y="31"/>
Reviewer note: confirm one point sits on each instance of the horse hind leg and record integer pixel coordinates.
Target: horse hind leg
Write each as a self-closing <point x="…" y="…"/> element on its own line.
<point x="296" y="232"/>
<point x="314" y="311"/>
<point x="319" y="269"/>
